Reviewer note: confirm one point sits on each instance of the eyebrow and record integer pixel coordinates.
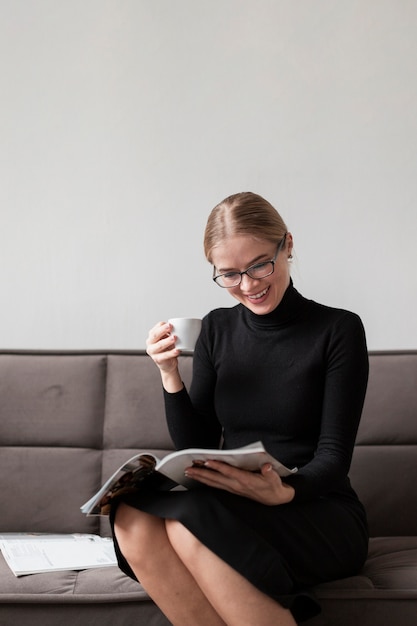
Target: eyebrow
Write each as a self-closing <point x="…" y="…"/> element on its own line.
<point x="261" y="257"/>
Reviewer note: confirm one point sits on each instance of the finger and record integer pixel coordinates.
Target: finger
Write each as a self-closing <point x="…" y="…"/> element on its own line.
<point x="207" y="476"/>
<point x="270" y="474"/>
<point x="223" y="468"/>
<point x="224" y="476"/>
<point x="161" y="346"/>
<point x="266" y="469"/>
<point x="158" y="332"/>
<point x="160" y="339"/>
<point x="242" y="481"/>
<point x="220" y="482"/>
<point x="246" y="478"/>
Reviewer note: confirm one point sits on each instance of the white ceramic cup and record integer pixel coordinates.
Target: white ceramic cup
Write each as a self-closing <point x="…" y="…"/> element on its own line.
<point x="187" y="330"/>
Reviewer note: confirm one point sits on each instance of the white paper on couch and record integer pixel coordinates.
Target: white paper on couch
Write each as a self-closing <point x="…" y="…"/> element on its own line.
<point x="35" y="553"/>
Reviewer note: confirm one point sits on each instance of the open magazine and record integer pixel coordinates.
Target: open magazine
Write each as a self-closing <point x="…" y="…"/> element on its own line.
<point x="34" y="553"/>
<point x="131" y="476"/>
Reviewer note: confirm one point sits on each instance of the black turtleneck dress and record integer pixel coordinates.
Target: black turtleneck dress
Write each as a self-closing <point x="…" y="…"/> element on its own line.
<point x="296" y="380"/>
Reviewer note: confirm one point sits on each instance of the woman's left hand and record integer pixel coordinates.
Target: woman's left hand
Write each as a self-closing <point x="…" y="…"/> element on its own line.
<point x="265" y="486"/>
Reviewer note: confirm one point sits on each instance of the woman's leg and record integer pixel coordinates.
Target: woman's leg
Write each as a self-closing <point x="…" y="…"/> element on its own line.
<point x="143" y="540"/>
<point x="234" y="598"/>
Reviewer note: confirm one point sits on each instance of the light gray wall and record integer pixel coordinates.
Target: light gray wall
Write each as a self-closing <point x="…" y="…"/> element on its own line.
<point x="123" y="122"/>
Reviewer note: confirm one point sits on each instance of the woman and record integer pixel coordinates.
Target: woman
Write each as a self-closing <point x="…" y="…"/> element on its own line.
<point x="278" y="368"/>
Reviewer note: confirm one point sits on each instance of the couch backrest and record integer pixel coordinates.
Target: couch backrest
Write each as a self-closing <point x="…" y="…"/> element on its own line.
<point x="68" y="420"/>
<point x="51" y="435"/>
<point x="384" y="466"/>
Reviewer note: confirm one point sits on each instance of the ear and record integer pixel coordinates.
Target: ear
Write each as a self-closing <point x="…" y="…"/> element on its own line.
<point x="289" y="244"/>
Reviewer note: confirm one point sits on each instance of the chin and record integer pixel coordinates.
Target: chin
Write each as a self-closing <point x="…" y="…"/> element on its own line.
<point x="260" y="309"/>
<point x="265" y="306"/>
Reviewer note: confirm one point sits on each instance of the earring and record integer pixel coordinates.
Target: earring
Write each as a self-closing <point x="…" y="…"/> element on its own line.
<point x="290" y="257"/>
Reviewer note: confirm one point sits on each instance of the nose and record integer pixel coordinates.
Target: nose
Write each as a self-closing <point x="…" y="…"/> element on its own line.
<point x="247" y="278"/>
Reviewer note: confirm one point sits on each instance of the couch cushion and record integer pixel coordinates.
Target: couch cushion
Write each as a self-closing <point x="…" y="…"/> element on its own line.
<point x="52" y="400"/>
<point x="391" y="565"/>
<point x="43" y="488"/>
<point x="384" y="478"/>
<point x="89" y="583"/>
<point x="385" y="457"/>
<point x="135" y="415"/>
<point x="390" y="410"/>
<point x="384" y="593"/>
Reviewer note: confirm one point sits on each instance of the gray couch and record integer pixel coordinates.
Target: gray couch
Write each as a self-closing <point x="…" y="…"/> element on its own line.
<point x="68" y="420"/>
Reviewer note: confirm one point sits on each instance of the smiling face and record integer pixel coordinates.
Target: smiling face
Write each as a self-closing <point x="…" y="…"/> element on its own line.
<point x="237" y="253"/>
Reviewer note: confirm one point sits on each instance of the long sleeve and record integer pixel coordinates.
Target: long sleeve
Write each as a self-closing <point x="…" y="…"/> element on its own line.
<point x="346" y="379"/>
<point x="186" y="426"/>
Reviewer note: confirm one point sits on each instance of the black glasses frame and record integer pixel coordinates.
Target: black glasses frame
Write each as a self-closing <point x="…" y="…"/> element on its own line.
<point x="249" y="269"/>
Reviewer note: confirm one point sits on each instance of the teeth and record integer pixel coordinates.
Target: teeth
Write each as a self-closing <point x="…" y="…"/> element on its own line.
<point x="259" y="295"/>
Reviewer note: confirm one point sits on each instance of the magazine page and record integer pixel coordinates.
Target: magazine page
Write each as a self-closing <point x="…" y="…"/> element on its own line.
<point x="27" y="553"/>
<point x="168" y="473"/>
<point x="126" y="479"/>
<point x="250" y="458"/>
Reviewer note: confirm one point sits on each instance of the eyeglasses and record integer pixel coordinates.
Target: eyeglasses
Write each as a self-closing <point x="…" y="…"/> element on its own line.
<point x="257" y="271"/>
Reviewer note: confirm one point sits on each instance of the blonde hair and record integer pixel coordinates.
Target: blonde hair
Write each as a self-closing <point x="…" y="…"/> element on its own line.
<point x="244" y="213"/>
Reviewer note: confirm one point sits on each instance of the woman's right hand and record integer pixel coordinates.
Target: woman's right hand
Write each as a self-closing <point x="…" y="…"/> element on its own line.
<point x="160" y="345"/>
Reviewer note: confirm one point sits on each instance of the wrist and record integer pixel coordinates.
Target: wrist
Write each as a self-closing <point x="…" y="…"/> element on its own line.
<point x="172" y="381"/>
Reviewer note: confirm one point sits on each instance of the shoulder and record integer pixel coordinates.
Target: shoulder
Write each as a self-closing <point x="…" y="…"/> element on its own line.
<point x="332" y="315"/>
<point x="331" y="325"/>
<point x="341" y="333"/>
<point x="225" y="315"/>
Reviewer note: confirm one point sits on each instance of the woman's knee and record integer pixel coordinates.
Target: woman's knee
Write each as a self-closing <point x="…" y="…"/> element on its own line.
<point x="186" y="545"/>
<point x="136" y="531"/>
<point x="125" y="519"/>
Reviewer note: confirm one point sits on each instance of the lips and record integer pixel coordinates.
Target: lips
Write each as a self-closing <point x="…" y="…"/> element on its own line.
<point x="259" y="296"/>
